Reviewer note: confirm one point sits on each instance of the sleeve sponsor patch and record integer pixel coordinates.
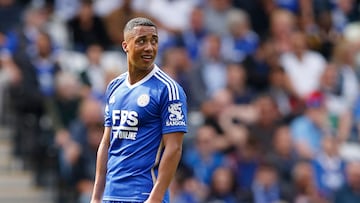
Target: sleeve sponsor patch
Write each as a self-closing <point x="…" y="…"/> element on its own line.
<point x="176" y="116"/>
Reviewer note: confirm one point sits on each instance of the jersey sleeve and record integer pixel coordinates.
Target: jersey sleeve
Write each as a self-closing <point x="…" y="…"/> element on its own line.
<point x="174" y="110"/>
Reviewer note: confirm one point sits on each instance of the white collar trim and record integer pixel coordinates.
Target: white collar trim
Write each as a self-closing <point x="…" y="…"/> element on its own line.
<point x="146" y="78"/>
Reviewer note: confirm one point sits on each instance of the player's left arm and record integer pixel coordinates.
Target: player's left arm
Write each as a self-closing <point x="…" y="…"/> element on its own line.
<point x="168" y="165"/>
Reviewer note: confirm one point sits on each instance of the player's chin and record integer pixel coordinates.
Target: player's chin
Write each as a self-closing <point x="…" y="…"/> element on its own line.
<point x="147" y="62"/>
<point x="145" y="66"/>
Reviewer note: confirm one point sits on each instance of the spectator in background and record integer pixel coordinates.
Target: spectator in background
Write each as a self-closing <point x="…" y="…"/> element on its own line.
<point x="93" y="76"/>
<point x="259" y="65"/>
<point x="35" y="18"/>
<point x="283" y="155"/>
<point x="204" y="158"/>
<point x="209" y="73"/>
<point x="333" y="90"/>
<point x="214" y="109"/>
<point x="242" y="41"/>
<point x="25" y="36"/>
<point x="348" y="83"/>
<point x="186" y="188"/>
<point x="233" y="122"/>
<point x="194" y="34"/>
<point x="279" y="93"/>
<point x="67" y="100"/>
<point x="216" y="13"/>
<point x="329" y="168"/>
<point x="86" y="28"/>
<point x="309" y="129"/>
<point x="301" y="64"/>
<point x="282" y="24"/>
<point x="236" y="84"/>
<point x="266" y="123"/>
<point x="304" y="184"/>
<point x="303" y="9"/>
<point x="266" y="186"/>
<point x="44" y="59"/>
<point x="223" y="186"/>
<point x="78" y="150"/>
<point x="85" y="166"/>
<point x="337" y="103"/>
<point x="56" y="27"/>
<point x="244" y="161"/>
<point x="115" y="22"/>
<point x="350" y="191"/>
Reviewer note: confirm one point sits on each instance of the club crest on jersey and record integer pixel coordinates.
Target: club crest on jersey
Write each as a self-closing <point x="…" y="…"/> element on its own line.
<point x="143" y="100"/>
<point x="112" y="100"/>
<point x="176" y="116"/>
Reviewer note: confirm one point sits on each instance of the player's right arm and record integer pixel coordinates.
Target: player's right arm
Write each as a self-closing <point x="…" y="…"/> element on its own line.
<point x="101" y="163"/>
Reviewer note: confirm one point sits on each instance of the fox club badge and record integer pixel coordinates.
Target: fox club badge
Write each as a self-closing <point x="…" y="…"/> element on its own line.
<point x="143" y="100"/>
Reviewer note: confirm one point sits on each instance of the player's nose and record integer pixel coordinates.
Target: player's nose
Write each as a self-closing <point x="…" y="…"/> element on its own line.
<point x="149" y="47"/>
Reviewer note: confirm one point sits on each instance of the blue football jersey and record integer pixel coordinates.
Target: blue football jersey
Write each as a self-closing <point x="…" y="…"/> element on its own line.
<point x="139" y="115"/>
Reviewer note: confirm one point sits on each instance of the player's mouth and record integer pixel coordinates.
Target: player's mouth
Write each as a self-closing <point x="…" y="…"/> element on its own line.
<point x="147" y="58"/>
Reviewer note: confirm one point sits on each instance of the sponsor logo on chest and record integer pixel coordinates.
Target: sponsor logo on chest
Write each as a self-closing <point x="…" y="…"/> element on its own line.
<point x="125" y="124"/>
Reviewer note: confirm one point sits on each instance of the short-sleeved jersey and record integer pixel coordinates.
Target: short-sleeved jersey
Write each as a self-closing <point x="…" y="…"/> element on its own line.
<point x="140" y="115"/>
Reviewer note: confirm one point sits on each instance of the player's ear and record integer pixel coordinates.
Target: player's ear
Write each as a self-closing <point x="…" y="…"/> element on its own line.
<point x="124" y="46"/>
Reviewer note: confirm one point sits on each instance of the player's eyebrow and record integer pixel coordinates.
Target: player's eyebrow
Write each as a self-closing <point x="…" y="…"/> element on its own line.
<point x="145" y="36"/>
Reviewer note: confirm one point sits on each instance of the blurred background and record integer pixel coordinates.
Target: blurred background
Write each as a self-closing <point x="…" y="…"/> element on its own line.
<point x="272" y="86"/>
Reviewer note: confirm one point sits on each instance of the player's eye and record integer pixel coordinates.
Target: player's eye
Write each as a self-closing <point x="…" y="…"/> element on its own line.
<point x="141" y="41"/>
<point x="154" y="41"/>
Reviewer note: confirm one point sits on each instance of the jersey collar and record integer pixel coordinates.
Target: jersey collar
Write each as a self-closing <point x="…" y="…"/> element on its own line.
<point x="146" y="78"/>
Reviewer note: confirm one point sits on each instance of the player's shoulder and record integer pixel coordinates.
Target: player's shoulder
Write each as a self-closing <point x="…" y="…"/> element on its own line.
<point x="118" y="80"/>
<point x="164" y="78"/>
<point x="174" y="90"/>
<point x="114" y="83"/>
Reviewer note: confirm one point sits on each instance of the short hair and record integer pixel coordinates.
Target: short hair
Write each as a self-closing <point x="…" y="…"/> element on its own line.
<point x="237" y="16"/>
<point x="139" y="21"/>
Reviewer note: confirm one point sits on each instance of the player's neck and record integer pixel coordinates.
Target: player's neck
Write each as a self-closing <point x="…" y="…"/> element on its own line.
<point x="137" y="74"/>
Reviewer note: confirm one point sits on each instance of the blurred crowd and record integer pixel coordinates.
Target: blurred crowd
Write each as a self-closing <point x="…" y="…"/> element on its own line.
<point x="272" y="86"/>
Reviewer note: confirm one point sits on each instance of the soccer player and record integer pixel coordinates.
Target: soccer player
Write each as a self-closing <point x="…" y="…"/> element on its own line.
<point x="145" y="121"/>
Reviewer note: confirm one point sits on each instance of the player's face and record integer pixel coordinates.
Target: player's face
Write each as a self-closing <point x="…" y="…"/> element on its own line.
<point x="141" y="47"/>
